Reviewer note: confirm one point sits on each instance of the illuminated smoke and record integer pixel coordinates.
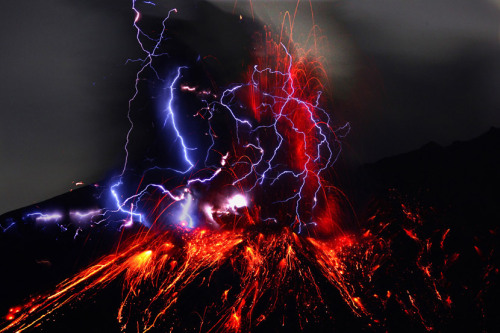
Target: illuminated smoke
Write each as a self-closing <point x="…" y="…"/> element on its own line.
<point x="213" y="219"/>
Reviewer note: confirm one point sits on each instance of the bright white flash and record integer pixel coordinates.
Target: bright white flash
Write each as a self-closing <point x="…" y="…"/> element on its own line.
<point x="237" y="201"/>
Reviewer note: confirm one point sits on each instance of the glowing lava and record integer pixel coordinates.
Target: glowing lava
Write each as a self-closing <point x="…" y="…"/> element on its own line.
<point x="262" y="209"/>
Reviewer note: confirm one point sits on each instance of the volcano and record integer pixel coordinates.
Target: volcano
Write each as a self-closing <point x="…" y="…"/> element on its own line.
<point x="436" y="206"/>
<point x="234" y="210"/>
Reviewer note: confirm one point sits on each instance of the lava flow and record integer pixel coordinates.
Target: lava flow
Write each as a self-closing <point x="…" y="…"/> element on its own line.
<point x="257" y="209"/>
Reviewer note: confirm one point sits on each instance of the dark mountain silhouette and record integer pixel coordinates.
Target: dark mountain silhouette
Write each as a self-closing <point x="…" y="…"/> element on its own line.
<point x="452" y="188"/>
<point x="463" y="177"/>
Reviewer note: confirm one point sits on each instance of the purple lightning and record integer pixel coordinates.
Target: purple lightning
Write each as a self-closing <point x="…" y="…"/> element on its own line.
<point x="265" y="169"/>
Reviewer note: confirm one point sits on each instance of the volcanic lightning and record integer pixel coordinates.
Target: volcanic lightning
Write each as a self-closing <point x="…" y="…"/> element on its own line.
<point x="261" y="208"/>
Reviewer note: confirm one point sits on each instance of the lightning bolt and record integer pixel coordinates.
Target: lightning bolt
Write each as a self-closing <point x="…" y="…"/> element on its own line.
<point x="286" y="111"/>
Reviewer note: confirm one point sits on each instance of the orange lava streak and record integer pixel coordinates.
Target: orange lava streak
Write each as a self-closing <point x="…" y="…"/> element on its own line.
<point x="266" y="263"/>
<point x="267" y="267"/>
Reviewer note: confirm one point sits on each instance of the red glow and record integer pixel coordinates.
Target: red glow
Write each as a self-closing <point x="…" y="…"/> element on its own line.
<point x="160" y="265"/>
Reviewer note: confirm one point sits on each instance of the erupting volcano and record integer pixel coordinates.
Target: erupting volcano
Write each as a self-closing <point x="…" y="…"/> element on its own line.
<point x="232" y="212"/>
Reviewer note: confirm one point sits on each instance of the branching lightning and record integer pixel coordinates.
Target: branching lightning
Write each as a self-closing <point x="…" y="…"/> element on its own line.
<point x="213" y="219"/>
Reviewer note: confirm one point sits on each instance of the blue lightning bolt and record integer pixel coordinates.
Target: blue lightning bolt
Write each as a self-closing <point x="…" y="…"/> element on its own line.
<point x="171" y="115"/>
<point x="264" y="169"/>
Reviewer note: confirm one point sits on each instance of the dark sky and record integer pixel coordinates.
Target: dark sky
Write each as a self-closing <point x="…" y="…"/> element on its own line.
<point x="404" y="73"/>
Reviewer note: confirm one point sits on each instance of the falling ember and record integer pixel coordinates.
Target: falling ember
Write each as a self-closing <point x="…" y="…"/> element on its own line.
<point x="260" y="212"/>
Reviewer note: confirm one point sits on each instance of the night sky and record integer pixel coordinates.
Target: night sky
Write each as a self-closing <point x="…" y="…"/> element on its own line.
<point x="403" y="73"/>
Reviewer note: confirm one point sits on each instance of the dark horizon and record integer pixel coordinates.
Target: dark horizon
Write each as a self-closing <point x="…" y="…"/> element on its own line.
<point x="249" y="207"/>
<point x="435" y="212"/>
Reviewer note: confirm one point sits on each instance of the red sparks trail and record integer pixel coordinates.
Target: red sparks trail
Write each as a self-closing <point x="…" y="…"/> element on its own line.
<point x="265" y="264"/>
<point x="268" y="266"/>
